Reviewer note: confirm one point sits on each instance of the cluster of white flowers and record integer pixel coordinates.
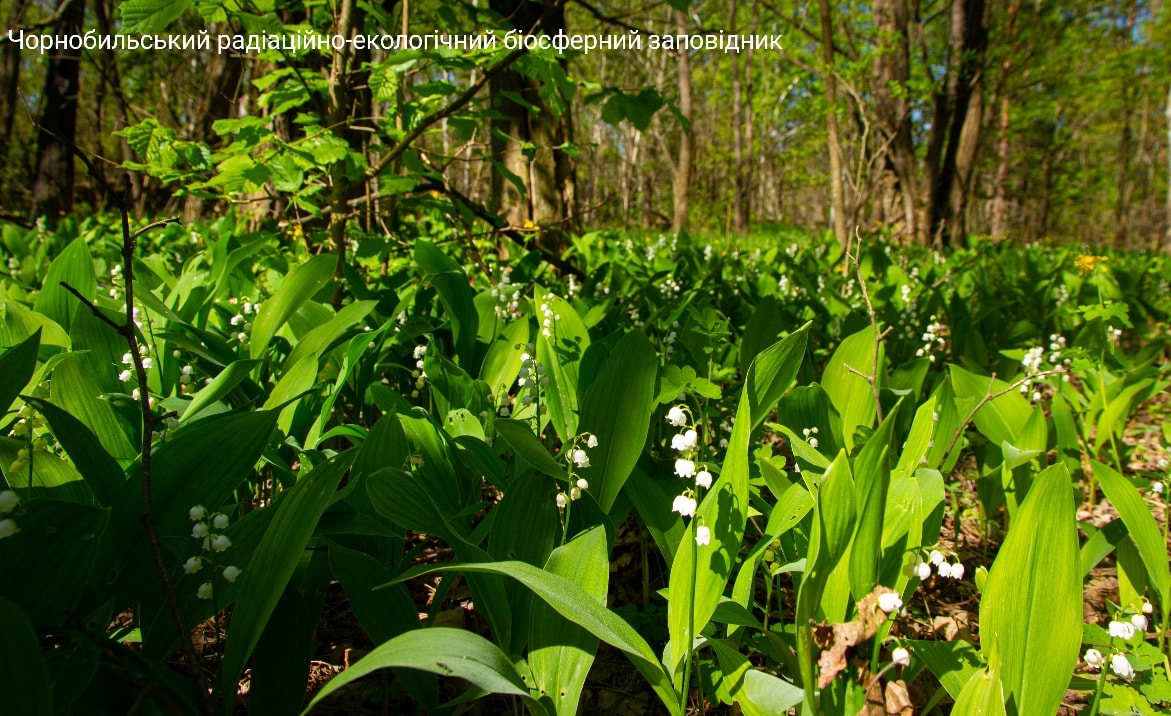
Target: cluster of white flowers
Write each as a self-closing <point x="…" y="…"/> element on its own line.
<point x="571" y="287"/>
<point x="13" y="265"/>
<point x="240" y="322"/>
<point x="9" y="501"/>
<point x="669" y="340"/>
<point x="686" y="443"/>
<point x="578" y="459"/>
<point x="211" y="542"/>
<point x="507" y="295"/>
<point x="945" y="569"/>
<point x="1037" y="360"/>
<point x="810" y="435"/>
<point x="165" y="429"/>
<point x="670" y="289"/>
<point x="549" y="319"/>
<point x="1158" y="486"/>
<point x="1127" y="630"/>
<point x="934" y="339"/>
<point x="419" y="375"/>
<point x="708" y="250"/>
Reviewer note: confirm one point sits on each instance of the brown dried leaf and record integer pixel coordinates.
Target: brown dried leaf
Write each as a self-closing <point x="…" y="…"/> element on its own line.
<point x="898" y="701"/>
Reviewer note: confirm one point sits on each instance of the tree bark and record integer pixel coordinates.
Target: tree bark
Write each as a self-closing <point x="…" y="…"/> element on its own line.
<point x="964" y="102"/>
<point x="53" y="181"/>
<point x="528" y="144"/>
<point x="10" y="80"/>
<point x="1167" y="229"/>
<point x="682" y="181"/>
<point x="892" y="70"/>
<point x="836" y="190"/>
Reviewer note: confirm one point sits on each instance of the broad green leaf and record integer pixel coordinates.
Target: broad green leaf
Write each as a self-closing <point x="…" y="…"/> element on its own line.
<point x="579" y="607"/>
<point x="298" y="287"/>
<point x="446" y="652"/>
<point x="220" y="386"/>
<point x="560" y="654"/>
<point x="75" y="390"/>
<point x="1031" y="608"/>
<point x="52" y="476"/>
<point x="851" y="393"/>
<point x="24" y="680"/>
<point x="954" y="663"/>
<point x="1139" y="521"/>
<point x="871" y="485"/>
<point x="73" y="266"/>
<point x="276" y="558"/>
<point x="48" y="563"/>
<point x="100" y="471"/>
<point x="617" y="410"/>
<point x="18" y="323"/>
<point x="457" y="297"/>
<point x="1118" y="411"/>
<point x="756" y="692"/>
<point x="772" y="371"/>
<point x="762" y="330"/>
<point x="561" y="353"/>
<point x="982" y="695"/>
<point x="520" y="438"/>
<point x="201" y="465"/>
<point x="143" y="17"/>
<point x="16" y="369"/>
<point x="298" y="378"/>
<point x="502" y="362"/>
<point x="320" y="338"/>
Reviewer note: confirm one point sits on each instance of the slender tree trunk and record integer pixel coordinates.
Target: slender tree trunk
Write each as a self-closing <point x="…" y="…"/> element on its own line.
<point x="53" y="181"/>
<point x="1003" y="147"/>
<point x="9" y="80"/>
<point x="1167" y="229"/>
<point x="749" y="120"/>
<point x="739" y="220"/>
<point x="892" y="71"/>
<point x="340" y="109"/>
<point x="836" y="190"/>
<point x="964" y="103"/>
<point x="541" y="189"/>
<point x="682" y="181"/>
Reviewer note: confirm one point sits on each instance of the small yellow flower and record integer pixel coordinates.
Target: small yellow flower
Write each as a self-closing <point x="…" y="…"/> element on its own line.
<point x="529" y="224"/>
<point x="1086" y="263"/>
<point x="298" y="232"/>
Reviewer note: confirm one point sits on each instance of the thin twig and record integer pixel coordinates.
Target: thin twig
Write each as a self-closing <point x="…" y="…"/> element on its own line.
<point x="155" y="225"/>
<point x="872" y="379"/>
<point x="989" y="397"/>
<point x="146" y="517"/>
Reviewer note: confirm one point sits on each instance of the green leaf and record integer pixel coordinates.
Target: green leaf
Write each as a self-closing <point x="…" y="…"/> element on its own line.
<point x="579" y="607"/>
<point x="561" y="354"/>
<point x="772" y="371"/>
<point x="560" y="654"/>
<point x="16" y="369"/>
<point x="220" y="386"/>
<point x="871" y="486"/>
<point x="24" y="679"/>
<point x="149" y="16"/>
<point x="75" y="390"/>
<point x="982" y="695"/>
<point x="317" y="340"/>
<point x="298" y="287"/>
<point x="457" y="297"/>
<point x="1000" y="420"/>
<point x="447" y="652"/>
<point x="1031" y="609"/>
<point x="100" y="471"/>
<point x="1139" y="521"/>
<point x="275" y="560"/>
<point x="954" y="663"/>
<point x="851" y="393"/>
<point x="617" y="410"/>
<point x="75" y="267"/>
<point x="520" y="438"/>
<point x="756" y="692"/>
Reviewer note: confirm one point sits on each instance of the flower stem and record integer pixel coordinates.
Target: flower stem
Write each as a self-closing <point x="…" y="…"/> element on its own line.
<point x="1098" y="692"/>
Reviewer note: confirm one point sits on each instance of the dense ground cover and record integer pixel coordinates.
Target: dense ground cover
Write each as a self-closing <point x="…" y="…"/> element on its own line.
<point x="769" y="473"/>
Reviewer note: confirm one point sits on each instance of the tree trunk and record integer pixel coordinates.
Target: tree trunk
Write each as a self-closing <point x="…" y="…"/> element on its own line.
<point x="1167" y="229"/>
<point x="682" y="181"/>
<point x="836" y="190"/>
<point x="10" y="81"/>
<point x="1003" y="147"/>
<point x="539" y="187"/>
<point x="892" y="70"/>
<point x="53" y="181"/>
<point x="964" y="104"/>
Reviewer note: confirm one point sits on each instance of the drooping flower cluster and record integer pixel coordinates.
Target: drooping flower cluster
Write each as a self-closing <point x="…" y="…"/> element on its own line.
<point x="934" y="339"/>
<point x="947" y="570"/>
<point x="419" y="375"/>
<point x="205" y="528"/>
<point x="1036" y="361"/>
<point x="810" y="435"/>
<point x="549" y="319"/>
<point x="507" y="295"/>
<point x="577" y="458"/>
<point x="32" y="429"/>
<point x="686" y="444"/>
<point x="240" y="323"/>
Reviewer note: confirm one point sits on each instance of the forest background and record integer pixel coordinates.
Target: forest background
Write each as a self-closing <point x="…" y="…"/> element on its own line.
<point x="930" y="120"/>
